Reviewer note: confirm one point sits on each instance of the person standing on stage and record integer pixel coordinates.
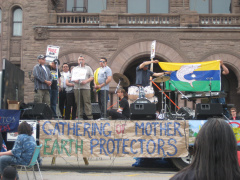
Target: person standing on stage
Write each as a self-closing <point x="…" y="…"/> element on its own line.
<point x="222" y="100"/>
<point x="143" y="73"/>
<point x="102" y="78"/>
<point x="82" y="90"/>
<point x="70" y="99"/>
<point x="42" y="81"/>
<point x="234" y="114"/>
<point x="62" y="89"/>
<point x="123" y="111"/>
<point x="53" y="66"/>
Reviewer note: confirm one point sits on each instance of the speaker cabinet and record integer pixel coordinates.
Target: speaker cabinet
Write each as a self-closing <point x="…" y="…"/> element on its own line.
<point x="142" y="109"/>
<point x="205" y="111"/>
<point x="96" y="112"/>
<point x="36" y="111"/>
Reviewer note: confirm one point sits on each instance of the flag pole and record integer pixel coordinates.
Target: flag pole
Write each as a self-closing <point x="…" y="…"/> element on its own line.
<point x="153" y="46"/>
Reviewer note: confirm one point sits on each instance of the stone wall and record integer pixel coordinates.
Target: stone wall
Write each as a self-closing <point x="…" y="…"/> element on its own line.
<point x="121" y="45"/>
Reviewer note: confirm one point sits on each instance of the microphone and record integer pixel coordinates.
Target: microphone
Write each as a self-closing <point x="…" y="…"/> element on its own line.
<point x="80" y="64"/>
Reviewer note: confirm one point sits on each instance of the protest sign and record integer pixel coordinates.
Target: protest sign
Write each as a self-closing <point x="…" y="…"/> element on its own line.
<point x="52" y="53"/>
<point x="78" y="74"/>
<point x="114" y="138"/>
<point x="12" y="136"/>
<point x="9" y="120"/>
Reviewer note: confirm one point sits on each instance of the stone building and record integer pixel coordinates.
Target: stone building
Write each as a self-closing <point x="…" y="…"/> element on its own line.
<point x="122" y="31"/>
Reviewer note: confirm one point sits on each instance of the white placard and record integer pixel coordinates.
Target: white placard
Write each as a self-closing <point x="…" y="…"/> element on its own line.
<point x="12" y="136"/>
<point x="153" y="46"/>
<point x="78" y="74"/>
<point x="52" y="52"/>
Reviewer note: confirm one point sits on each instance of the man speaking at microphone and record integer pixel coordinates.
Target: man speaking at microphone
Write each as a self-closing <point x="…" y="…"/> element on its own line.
<point x="82" y="89"/>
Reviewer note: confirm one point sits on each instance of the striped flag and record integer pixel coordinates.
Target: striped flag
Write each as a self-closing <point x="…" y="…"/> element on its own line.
<point x="193" y="76"/>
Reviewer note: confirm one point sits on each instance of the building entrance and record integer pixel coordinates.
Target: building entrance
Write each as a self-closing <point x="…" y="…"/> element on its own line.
<point x="162" y="101"/>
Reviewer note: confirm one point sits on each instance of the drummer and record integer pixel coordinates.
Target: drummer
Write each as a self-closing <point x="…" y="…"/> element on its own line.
<point x="143" y="73"/>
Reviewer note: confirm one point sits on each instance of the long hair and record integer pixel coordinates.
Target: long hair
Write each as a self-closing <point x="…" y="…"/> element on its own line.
<point x="125" y="94"/>
<point x="25" y="128"/>
<point x="215" y="152"/>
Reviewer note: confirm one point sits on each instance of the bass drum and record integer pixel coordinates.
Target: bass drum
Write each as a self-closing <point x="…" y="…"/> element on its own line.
<point x="133" y="92"/>
<point x="149" y="92"/>
<point x="153" y="99"/>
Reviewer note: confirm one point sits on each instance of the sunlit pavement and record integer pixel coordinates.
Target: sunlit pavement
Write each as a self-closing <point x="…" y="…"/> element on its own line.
<point x="101" y="168"/>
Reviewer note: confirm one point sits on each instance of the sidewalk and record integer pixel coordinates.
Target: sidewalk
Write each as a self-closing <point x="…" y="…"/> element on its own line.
<point x="72" y="168"/>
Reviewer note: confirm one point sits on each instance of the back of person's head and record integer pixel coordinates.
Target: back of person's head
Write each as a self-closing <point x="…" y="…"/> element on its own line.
<point x="9" y="173"/>
<point x="25" y="128"/>
<point x="215" y="152"/>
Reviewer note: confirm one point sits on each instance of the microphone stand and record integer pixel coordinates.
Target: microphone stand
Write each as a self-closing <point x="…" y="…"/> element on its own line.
<point x="210" y="86"/>
<point x="105" y="96"/>
<point x="180" y="92"/>
<point x="57" y="88"/>
<point x="117" y="89"/>
<point x="79" y="94"/>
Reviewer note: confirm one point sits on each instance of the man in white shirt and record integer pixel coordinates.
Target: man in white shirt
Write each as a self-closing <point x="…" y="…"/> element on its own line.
<point x="82" y="90"/>
<point x="62" y="89"/>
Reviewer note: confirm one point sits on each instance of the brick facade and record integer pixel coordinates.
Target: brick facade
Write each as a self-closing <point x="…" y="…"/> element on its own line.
<point x="122" y="45"/>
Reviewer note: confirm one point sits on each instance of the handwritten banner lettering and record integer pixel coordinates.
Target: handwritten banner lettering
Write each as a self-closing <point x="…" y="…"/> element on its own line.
<point x="114" y="138"/>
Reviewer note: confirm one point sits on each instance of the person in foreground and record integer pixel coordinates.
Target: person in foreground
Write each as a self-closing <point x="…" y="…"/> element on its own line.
<point x="23" y="148"/>
<point x="215" y="154"/>
<point x="9" y="173"/>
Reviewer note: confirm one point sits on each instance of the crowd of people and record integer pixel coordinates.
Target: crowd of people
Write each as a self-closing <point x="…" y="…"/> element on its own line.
<point x="72" y="87"/>
<point x="74" y="91"/>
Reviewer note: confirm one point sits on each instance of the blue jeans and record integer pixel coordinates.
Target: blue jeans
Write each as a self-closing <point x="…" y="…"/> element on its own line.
<point x="6" y="161"/>
<point x="102" y="101"/>
<point x="53" y="100"/>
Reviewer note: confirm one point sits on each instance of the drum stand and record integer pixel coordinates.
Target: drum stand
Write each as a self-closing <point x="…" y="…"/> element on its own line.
<point x="119" y="81"/>
<point x="164" y="102"/>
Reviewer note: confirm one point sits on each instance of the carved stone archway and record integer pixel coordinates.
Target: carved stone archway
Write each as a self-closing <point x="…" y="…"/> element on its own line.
<point x="72" y="58"/>
<point x="128" y="53"/>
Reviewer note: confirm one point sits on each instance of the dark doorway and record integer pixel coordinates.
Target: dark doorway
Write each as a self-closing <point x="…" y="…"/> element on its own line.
<point x="130" y="73"/>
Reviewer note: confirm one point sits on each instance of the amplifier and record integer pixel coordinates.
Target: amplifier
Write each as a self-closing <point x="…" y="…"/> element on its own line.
<point x="205" y="111"/>
<point x="36" y="111"/>
<point x="142" y="109"/>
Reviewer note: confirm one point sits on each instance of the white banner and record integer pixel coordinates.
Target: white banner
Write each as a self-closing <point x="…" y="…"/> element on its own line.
<point x="12" y="136"/>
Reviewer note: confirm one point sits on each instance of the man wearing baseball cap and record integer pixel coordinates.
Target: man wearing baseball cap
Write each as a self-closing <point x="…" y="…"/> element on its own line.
<point x="42" y="81"/>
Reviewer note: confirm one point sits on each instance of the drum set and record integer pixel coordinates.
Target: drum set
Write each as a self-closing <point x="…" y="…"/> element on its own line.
<point x="136" y="92"/>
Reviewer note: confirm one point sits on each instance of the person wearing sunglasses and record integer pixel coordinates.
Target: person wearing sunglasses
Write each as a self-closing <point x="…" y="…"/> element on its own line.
<point x="234" y="114"/>
<point x="102" y="78"/>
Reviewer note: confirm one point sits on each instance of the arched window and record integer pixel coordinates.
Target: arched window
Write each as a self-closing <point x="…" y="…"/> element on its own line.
<point x="17" y="22"/>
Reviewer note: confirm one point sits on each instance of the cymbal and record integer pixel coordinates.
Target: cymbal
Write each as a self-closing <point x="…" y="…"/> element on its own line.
<point x="120" y="77"/>
<point x="161" y="79"/>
